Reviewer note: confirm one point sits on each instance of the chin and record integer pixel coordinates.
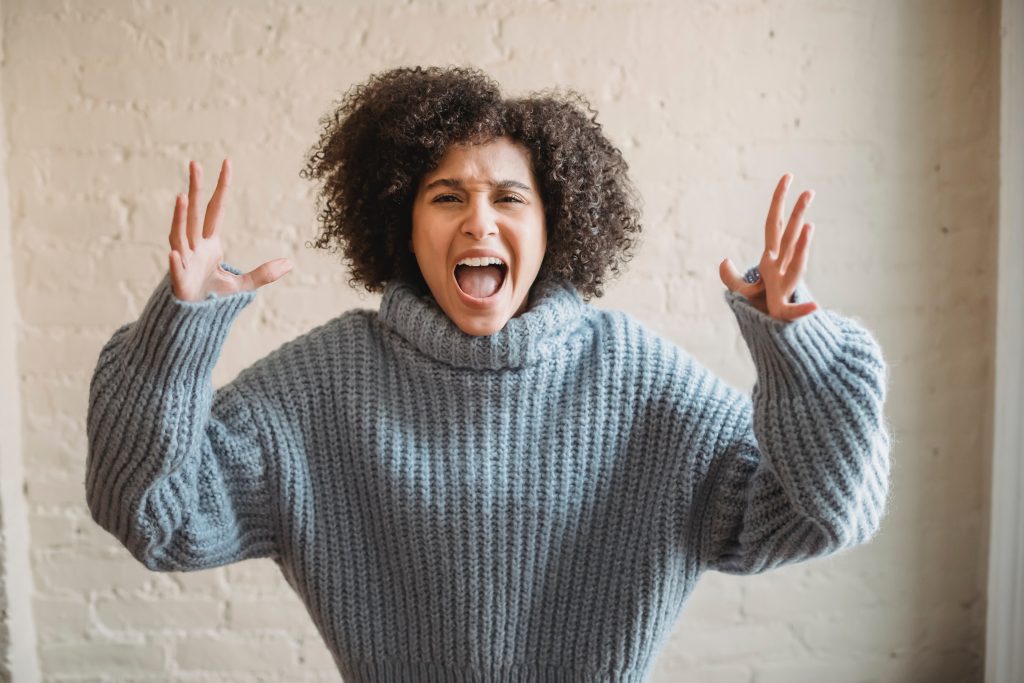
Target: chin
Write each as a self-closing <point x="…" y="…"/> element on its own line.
<point x="480" y="327"/>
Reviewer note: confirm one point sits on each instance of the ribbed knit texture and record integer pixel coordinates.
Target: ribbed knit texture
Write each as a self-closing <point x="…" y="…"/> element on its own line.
<point x="535" y="505"/>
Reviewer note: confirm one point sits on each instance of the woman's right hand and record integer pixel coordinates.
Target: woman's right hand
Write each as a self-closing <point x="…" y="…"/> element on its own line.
<point x="196" y="250"/>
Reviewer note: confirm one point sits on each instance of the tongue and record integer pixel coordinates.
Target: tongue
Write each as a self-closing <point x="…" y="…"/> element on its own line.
<point x="479" y="281"/>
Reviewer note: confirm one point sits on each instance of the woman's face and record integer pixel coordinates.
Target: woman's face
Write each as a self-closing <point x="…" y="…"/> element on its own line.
<point x="481" y="201"/>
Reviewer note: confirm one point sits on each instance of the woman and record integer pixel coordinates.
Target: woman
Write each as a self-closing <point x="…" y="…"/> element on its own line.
<point x="488" y="478"/>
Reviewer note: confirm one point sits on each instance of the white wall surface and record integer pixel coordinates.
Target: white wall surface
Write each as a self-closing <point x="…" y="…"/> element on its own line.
<point x="888" y="109"/>
<point x="18" y="657"/>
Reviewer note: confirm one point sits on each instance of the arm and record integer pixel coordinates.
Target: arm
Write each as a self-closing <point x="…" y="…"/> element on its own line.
<point x="175" y="470"/>
<point x="802" y="469"/>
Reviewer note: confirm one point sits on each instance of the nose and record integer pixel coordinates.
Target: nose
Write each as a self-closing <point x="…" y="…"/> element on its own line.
<point x="479" y="220"/>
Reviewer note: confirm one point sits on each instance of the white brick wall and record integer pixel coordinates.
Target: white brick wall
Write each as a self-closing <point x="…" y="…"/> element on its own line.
<point x="887" y="109"/>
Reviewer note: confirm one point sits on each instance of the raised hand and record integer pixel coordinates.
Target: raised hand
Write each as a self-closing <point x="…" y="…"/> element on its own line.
<point x="196" y="251"/>
<point x="783" y="262"/>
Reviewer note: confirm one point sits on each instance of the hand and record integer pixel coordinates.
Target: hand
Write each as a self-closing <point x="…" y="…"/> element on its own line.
<point x="783" y="262"/>
<point x="196" y="254"/>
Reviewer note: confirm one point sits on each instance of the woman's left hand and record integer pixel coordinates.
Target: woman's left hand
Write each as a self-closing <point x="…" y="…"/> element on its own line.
<point x="783" y="262"/>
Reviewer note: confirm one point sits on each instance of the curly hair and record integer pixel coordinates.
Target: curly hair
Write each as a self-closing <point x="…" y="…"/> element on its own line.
<point x="390" y="131"/>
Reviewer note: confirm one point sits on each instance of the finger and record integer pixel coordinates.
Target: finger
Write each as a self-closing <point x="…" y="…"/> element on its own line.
<point x="773" y="225"/>
<point x="213" y="209"/>
<point x="195" y="178"/>
<point x="794" y="311"/>
<point x="177" y="269"/>
<point x="177" y="237"/>
<point x="265" y="274"/>
<point x="794" y="230"/>
<point x="799" y="263"/>
<point x="735" y="281"/>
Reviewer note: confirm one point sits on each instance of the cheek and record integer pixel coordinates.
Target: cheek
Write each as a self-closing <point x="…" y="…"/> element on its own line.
<point x="538" y="244"/>
<point x="421" y="232"/>
<point x="427" y="240"/>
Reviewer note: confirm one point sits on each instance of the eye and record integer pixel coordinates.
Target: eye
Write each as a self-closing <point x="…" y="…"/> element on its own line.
<point x="444" y="197"/>
<point x="510" y="197"/>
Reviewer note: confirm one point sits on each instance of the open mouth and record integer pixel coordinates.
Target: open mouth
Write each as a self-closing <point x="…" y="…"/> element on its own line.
<point x="481" y="282"/>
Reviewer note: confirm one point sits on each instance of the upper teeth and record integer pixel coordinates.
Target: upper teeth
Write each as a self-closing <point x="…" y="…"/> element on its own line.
<point x="481" y="261"/>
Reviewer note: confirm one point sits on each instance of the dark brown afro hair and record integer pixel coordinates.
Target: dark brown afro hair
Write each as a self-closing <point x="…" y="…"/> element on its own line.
<point x="390" y="131"/>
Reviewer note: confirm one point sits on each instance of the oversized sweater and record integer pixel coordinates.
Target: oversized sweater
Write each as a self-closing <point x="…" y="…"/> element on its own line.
<point x="533" y="505"/>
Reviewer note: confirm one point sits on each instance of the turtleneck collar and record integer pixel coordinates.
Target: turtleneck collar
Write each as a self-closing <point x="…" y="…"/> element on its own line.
<point x="555" y="311"/>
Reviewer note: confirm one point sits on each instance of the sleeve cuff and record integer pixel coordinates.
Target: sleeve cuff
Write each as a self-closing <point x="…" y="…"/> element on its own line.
<point x="175" y="339"/>
<point x="790" y="356"/>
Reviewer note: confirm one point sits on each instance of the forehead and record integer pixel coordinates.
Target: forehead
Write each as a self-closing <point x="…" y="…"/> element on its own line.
<point x="499" y="157"/>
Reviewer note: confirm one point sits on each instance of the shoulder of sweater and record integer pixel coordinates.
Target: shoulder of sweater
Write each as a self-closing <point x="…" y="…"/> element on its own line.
<point x="633" y="334"/>
<point x="665" y="377"/>
<point x="656" y="362"/>
<point x="320" y="341"/>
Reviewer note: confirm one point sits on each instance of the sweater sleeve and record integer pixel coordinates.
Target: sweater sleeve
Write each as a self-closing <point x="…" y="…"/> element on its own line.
<point x="175" y="470"/>
<point x="802" y="467"/>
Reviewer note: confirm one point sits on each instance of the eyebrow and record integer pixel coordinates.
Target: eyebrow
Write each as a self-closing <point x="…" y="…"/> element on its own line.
<point x="457" y="184"/>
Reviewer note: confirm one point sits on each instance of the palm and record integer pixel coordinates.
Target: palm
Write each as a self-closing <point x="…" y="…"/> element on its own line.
<point x="783" y="261"/>
<point x="197" y="251"/>
<point x="202" y="274"/>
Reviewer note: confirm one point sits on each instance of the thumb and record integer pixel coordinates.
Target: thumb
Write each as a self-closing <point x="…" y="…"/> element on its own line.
<point x="730" y="277"/>
<point x="266" y="273"/>
<point x="734" y="280"/>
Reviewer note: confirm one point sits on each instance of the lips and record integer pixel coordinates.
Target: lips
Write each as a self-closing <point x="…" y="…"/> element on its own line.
<point x="478" y="252"/>
<point x="484" y="302"/>
<point x="481" y="260"/>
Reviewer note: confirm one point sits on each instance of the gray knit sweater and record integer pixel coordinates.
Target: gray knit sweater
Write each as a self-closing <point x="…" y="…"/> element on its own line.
<point x="534" y="505"/>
